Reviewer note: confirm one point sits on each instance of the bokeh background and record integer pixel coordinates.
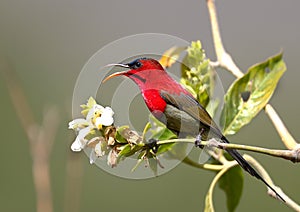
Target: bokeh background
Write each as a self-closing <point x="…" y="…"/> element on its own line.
<point x="46" y="44"/>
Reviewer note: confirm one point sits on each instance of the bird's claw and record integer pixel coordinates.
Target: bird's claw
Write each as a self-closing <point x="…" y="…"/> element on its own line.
<point x="198" y="141"/>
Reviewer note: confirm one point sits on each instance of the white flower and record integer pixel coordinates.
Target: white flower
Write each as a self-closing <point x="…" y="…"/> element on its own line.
<point x="78" y="124"/>
<point x="94" y="112"/>
<point x="100" y="116"/>
<point x="106" y="118"/>
<point x="96" y="153"/>
<point x="80" y="140"/>
<point x="90" y="133"/>
<point x="76" y="145"/>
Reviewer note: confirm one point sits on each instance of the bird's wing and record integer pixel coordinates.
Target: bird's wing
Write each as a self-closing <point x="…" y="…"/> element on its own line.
<point x="192" y="107"/>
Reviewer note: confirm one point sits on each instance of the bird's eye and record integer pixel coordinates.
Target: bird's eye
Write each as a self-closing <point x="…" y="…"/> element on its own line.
<point x="138" y="64"/>
<point x="135" y="64"/>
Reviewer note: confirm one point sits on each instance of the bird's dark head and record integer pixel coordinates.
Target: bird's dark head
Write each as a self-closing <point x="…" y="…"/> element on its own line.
<point x="138" y="69"/>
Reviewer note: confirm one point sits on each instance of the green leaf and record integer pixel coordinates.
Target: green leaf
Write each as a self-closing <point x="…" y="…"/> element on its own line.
<point x="139" y="161"/>
<point x="125" y="151"/>
<point x="120" y="134"/>
<point x="232" y="184"/>
<point x="86" y="107"/>
<point x="197" y="74"/>
<point x="164" y="148"/>
<point x="249" y="94"/>
<point x="128" y="150"/>
<point x="209" y="207"/>
<point x="146" y="129"/>
<point x="91" y="102"/>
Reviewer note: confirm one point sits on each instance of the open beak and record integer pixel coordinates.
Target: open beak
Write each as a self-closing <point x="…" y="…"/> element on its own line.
<point x="117" y="73"/>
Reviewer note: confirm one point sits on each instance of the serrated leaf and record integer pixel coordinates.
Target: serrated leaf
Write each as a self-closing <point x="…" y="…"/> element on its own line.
<point x="232" y="184"/>
<point x="249" y="94"/>
<point x="171" y="56"/>
<point x="197" y="74"/>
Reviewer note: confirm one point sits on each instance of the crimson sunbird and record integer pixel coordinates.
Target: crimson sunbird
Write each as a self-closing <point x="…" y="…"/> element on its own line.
<point x="173" y="105"/>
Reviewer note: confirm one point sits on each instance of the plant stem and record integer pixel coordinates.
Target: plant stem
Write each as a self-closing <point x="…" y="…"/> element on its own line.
<point x="292" y="155"/>
<point x="210" y="167"/>
<point x="225" y="61"/>
<point x="288" y="201"/>
<point x="284" y="134"/>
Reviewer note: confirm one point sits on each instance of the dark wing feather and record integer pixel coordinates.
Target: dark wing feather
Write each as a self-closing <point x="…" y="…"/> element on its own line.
<point x="192" y="107"/>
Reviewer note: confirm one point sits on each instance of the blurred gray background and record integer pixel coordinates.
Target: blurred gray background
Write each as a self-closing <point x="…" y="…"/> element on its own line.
<point x="47" y="43"/>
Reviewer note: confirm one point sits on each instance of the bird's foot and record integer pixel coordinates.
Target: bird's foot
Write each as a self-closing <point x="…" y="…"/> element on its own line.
<point x="199" y="139"/>
<point x="152" y="144"/>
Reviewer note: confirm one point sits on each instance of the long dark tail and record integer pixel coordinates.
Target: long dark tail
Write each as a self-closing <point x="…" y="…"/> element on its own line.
<point x="247" y="167"/>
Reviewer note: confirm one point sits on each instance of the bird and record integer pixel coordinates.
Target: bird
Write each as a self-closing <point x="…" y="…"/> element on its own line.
<point x="176" y="107"/>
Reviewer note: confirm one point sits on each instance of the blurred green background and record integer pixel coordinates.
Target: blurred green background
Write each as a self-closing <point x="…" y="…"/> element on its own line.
<point x="47" y="43"/>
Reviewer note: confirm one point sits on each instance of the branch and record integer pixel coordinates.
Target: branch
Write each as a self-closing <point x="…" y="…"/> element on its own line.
<point x="225" y="61"/>
<point x="292" y="155"/>
<point x="284" y="134"/>
<point x="288" y="201"/>
<point x="287" y="154"/>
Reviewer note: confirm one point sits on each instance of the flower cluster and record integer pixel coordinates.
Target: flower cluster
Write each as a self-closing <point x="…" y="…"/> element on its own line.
<point x="96" y="131"/>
